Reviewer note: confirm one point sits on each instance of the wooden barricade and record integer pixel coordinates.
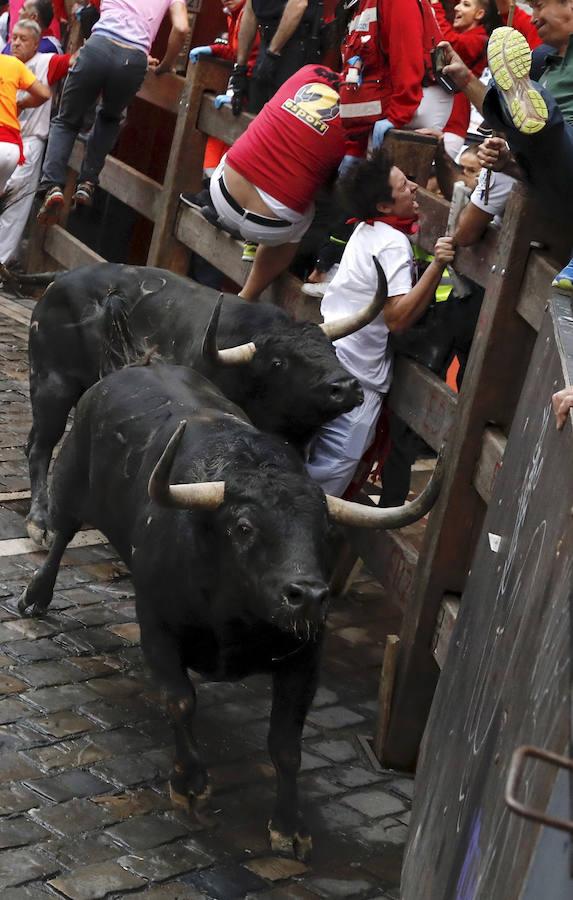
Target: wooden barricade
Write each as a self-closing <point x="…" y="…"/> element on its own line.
<point x="506" y="682"/>
<point x="515" y="276"/>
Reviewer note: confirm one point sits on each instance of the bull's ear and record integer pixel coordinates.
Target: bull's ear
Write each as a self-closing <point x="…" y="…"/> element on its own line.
<point x="232" y="356"/>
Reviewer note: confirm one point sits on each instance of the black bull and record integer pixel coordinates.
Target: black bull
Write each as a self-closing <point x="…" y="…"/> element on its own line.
<point x="232" y="581"/>
<point x="98" y="318"/>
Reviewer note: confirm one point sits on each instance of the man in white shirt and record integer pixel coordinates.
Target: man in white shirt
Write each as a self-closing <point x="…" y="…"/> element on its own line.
<point x="384" y="201"/>
<point x="111" y="64"/>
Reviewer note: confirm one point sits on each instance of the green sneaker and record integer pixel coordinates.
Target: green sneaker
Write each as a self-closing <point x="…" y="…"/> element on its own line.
<point x="249" y="250"/>
<point x="509" y="59"/>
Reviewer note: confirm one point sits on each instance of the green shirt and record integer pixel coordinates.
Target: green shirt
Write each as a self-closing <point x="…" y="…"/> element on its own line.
<point x="557" y="78"/>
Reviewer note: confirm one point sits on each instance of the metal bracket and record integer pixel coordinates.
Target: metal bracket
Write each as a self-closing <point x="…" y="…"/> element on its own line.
<point x="514" y="780"/>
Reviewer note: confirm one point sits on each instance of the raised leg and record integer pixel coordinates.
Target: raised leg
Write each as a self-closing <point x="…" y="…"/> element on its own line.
<point x="40" y="591"/>
<point x="188" y="782"/>
<point x="52" y="399"/>
<point x="294" y="686"/>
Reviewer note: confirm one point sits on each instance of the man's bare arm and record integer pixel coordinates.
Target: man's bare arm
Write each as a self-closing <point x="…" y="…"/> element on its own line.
<point x="290" y="20"/>
<point x="247" y="33"/>
<point x="401" y="312"/>
<point x="472" y="225"/>
<point x="179" y="31"/>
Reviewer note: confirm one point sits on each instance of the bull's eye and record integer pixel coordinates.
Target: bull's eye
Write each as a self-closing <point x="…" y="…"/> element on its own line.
<point x="244" y="527"/>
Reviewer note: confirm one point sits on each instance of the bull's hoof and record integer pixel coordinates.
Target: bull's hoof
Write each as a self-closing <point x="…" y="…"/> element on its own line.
<point x="298" y="844"/>
<point x="40" y="536"/>
<point x="194" y="805"/>
<point x="27" y="606"/>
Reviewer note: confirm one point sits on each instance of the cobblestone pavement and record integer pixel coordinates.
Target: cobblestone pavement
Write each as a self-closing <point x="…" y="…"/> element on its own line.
<point x="84" y="811"/>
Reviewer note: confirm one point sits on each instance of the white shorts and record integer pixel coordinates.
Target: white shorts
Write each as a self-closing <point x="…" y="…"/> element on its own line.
<point x="340" y="445"/>
<point x="258" y="232"/>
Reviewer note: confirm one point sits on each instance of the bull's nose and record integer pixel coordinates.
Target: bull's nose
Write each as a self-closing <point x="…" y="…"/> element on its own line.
<point x="304" y="593"/>
<point x="344" y="388"/>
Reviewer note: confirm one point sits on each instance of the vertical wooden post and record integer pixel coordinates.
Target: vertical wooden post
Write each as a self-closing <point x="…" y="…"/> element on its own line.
<point x="185" y="166"/>
<point x="500" y="354"/>
<point x="385" y="691"/>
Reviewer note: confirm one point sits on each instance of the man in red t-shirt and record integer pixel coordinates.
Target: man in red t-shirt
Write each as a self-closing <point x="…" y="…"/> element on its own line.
<point x="265" y="186"/>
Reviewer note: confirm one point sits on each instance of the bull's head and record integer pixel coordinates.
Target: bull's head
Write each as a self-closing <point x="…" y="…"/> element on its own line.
<point x="296" y="382"/>
<point x="303" y="597"/>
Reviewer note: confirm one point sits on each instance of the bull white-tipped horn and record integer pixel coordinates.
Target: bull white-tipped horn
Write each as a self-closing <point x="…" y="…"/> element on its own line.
<point x="203" y="495"/>
<point x="345" y="512"/>
<point x="340" y="328"/>
<point x="232" y="356"/>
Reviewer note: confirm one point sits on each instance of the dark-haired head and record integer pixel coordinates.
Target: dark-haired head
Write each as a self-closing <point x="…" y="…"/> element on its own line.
<point x="375" y="187"/>
<point x="40" y="10"/>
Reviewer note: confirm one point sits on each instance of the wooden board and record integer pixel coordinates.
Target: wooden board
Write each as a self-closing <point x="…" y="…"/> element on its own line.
<point x="138" y="191"/>
<point x="489" y="463"/>
<point x="506" y="679"/>
<point x="67" y="250"/>
<point x="423" y="401"/>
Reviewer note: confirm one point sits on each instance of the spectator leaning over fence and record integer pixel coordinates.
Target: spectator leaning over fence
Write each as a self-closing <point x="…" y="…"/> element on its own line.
<point x="536" y="117"/>
<point x="14" y="77"/>
<point x="468" y="34"/>
<point x="264" y="187"/>
<point x="385" y="202"/>
<point x="113" y="63"/>
<point x="42" y="12"/>
<point x="290" y="39"/>
<point x="48" y="68"/>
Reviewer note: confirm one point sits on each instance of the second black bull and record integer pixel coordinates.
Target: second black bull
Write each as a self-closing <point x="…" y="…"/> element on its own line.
<point x="95" y="319"/>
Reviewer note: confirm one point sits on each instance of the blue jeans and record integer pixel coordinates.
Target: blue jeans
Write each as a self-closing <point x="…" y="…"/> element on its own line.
<point x="102" y="68"/>
<point x="547" y="157"/>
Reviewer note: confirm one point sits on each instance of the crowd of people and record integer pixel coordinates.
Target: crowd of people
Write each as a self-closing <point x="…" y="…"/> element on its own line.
<point x="328" y="82"/>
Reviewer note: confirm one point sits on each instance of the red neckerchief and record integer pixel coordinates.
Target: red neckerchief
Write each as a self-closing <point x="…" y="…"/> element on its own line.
<point x="406" y="226"/>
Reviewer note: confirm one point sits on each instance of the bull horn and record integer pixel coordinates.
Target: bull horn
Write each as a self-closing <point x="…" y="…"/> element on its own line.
<point x="340" y="328"/>
<point x="203" y="495"/>
<point x="232" y="356"/>
<point x="346" y="512"/>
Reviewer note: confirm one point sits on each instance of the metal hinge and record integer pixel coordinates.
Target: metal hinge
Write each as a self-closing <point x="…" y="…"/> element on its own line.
<point x="514" y="780"/>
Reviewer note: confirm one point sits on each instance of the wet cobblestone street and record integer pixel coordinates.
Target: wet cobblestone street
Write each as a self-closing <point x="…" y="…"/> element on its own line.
<point x="86" y="750"/>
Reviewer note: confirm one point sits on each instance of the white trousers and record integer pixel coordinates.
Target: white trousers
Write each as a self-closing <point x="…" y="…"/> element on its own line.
<point x="9" y="156"/>
<point x="340" y="445"/>
<point x="434" y="109"/>
<point x="22" y="187"/>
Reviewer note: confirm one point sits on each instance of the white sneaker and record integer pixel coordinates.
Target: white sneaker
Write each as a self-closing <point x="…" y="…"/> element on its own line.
<point x="318" y="289"/>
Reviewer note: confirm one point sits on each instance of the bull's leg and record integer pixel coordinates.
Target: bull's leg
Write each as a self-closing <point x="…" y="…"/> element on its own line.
<point x="188" y="782"/>
<point x="294" y="686"/>
<point x="40" y="591"/>
<point x="52" y="399"/>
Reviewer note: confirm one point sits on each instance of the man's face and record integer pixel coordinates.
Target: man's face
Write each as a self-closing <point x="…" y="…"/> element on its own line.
<point x="404" y="204"/>
<point x="24" y="43"/>
<point x="471" y="168"/>
<point x="553" y="20"/>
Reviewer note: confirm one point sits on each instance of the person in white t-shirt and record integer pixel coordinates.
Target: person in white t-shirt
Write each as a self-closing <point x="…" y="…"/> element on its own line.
<point x="384" y="201"/>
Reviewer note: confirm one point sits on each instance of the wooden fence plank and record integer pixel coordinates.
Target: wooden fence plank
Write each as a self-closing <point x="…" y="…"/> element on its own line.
<point x="67" y="250"/>
<point x="221" y="123"/>
<point x="136" y="190"/>
<point x="422" y="400"/>
<point x="185" y="167"/>
<point x="535" y="289"/>
<point x="489" y="462"/>
<point x="390" y="558"/>
<point x="162" y="90"/>
<point x="496" y="368"/>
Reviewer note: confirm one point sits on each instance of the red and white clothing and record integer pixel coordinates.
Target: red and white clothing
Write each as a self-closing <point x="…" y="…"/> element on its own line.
<point x="393" y="40"/>
<point x="296" y="142"/>
<point x="48" y="68"/>
<point x="293" y="147"/>
<point x="340" y="444"/>
<point x="471" y="46"/>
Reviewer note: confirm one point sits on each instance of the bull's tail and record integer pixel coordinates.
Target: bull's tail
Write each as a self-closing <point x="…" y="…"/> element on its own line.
<point x="36" y="278"/>
<point x="120" y="346"/>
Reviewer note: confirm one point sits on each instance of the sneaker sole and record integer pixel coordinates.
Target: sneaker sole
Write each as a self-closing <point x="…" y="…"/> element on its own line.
<point x="509" y="60"/>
